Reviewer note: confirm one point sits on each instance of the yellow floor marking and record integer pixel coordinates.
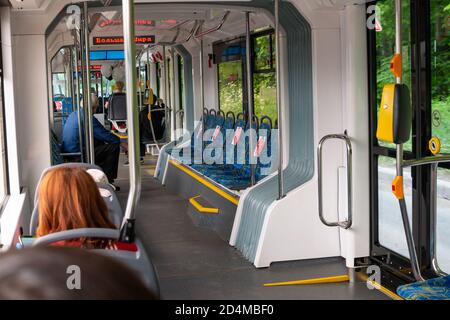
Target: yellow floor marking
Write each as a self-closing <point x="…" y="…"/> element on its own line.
<point x="334" y="279"/>
<point x="206" y="183"/>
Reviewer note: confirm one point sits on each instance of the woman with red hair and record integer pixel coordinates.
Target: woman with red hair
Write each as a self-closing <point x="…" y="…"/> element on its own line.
<point x="69" y="199"/>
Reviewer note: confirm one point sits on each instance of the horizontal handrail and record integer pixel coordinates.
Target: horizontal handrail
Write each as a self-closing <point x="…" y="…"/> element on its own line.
<point x="425" y="161"/>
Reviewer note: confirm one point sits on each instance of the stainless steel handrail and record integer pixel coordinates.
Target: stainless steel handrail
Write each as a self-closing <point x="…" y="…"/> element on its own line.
<point x="216" y="28"/>
<point x="433" y="219"/>
<point x="87" y="92"/>
<point x="127" y="233"/>
<point x="342" y="224"/>
<point x="250" y="101"/>
<point x="78" y="101"/>
<point x="281" y="189"/>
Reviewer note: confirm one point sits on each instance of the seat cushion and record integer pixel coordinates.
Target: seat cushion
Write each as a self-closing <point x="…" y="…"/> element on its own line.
<point x="433" y="289"/>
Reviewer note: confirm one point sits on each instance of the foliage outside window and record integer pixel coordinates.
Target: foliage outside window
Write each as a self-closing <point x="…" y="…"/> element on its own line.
<point x="230" y="86"/>
<point x="264" y="77"/>
<point x="440" y="67"/>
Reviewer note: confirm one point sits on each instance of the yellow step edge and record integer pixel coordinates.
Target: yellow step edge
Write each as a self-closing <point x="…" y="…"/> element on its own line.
<point x="206" y="183"/>
<point x="334" y="279"/>
<point x="201" y="208"/>
<point x="384" y="290"/>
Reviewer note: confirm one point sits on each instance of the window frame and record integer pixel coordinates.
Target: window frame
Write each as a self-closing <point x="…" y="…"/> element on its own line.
<point x="254" y="70"/>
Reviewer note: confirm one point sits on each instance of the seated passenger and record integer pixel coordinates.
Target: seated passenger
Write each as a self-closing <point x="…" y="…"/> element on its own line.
<point x="43" y="273"/>
<point x="70" y="199"/>
<point x="107" y="145"/>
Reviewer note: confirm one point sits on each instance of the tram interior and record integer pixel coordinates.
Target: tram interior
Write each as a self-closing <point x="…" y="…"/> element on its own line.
<point x="230" y="103"/>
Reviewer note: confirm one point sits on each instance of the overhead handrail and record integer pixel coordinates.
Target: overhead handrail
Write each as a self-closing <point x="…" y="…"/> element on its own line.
<point x="342" y="224"/>
<point x="214" y="29"/>
<point x="127" y="233"/>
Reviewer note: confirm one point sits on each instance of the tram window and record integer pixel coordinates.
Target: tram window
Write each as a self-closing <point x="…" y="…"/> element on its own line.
<point x="440" y="69"/>
<point x="3" y="156"/>
<point x="390" y="225"/>
<point x="59" y="85"/>
<point x="230" y="86"/>
<point x="264" y="77"/>
<point x="385" y="44"/>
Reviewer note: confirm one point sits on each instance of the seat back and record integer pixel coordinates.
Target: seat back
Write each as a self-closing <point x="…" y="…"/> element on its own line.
<point x="118" y="107"/>
<point x="265" y="132"/>
<point x="138" y="261"/>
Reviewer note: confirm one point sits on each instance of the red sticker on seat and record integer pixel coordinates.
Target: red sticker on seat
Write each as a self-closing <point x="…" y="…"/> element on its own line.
<point x="216" y="134"/>
<point x="260" y="146"/>
<point x="237" y="136"/>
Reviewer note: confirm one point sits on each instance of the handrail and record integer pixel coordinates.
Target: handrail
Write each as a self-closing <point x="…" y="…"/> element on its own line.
<point x="281" y="189"/>
<point x="112" y="234"/>
<point x="87" y="89"/>
<point x="250" y="100"/>
<point x="214" y="29"/>
<point x="128" y="233"/>
<point x="425" y="161"/>
<point x="433" y="219"/>
<point x="77" y="93"/>
<point x="342" y="224"/>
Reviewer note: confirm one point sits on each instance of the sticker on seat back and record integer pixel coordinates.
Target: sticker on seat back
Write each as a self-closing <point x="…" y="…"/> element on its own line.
<point x="260" y="146"/>
<point x="216" y="134"/>
<point x="237" y="136"/>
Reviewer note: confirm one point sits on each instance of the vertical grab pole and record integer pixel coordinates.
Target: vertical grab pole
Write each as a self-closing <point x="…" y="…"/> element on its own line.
<point x="202" y="80"/>
<point x="140" y="82"/>
<point x="250" y="104"/>
<point x="77" y="89"/>
<point x="83" y="90"/>
<point x="399" y="166"/>
<point x="172" y="93"/>
<point x="87" y="91"/>
<point x="281" y="191"/>
<point x="128" y="232"/>
<point x="166" y="95"/>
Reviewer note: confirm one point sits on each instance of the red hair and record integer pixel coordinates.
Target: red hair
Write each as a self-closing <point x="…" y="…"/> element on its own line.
<point x="69" y="199"/>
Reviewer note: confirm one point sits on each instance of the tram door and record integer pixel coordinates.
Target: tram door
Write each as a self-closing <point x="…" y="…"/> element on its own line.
<point x="426" y="52"/>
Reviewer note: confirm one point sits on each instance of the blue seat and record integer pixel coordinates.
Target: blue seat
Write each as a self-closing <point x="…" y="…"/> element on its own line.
<point x="236" y="176"/>
<point x="433" y="289"/>
<point x="227" y="131"/>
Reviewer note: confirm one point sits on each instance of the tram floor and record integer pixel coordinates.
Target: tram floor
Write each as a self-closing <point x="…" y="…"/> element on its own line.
<point x="195" y="264"/>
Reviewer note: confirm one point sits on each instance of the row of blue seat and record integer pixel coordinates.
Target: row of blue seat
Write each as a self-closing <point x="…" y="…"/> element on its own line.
<point x="235" y="176"/>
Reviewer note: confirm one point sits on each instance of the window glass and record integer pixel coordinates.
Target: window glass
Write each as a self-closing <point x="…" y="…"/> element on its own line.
<point x="440" y="101"/>
<point x="440" y="70"/>
<point x="264" y="52"/>
<point x="264" y="77"/>
<point x="230" y="86"/>
<point x="265" y="88"/>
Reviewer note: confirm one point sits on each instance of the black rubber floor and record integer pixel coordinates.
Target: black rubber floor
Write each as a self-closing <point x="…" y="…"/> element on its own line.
<point x="194" y="263"/>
